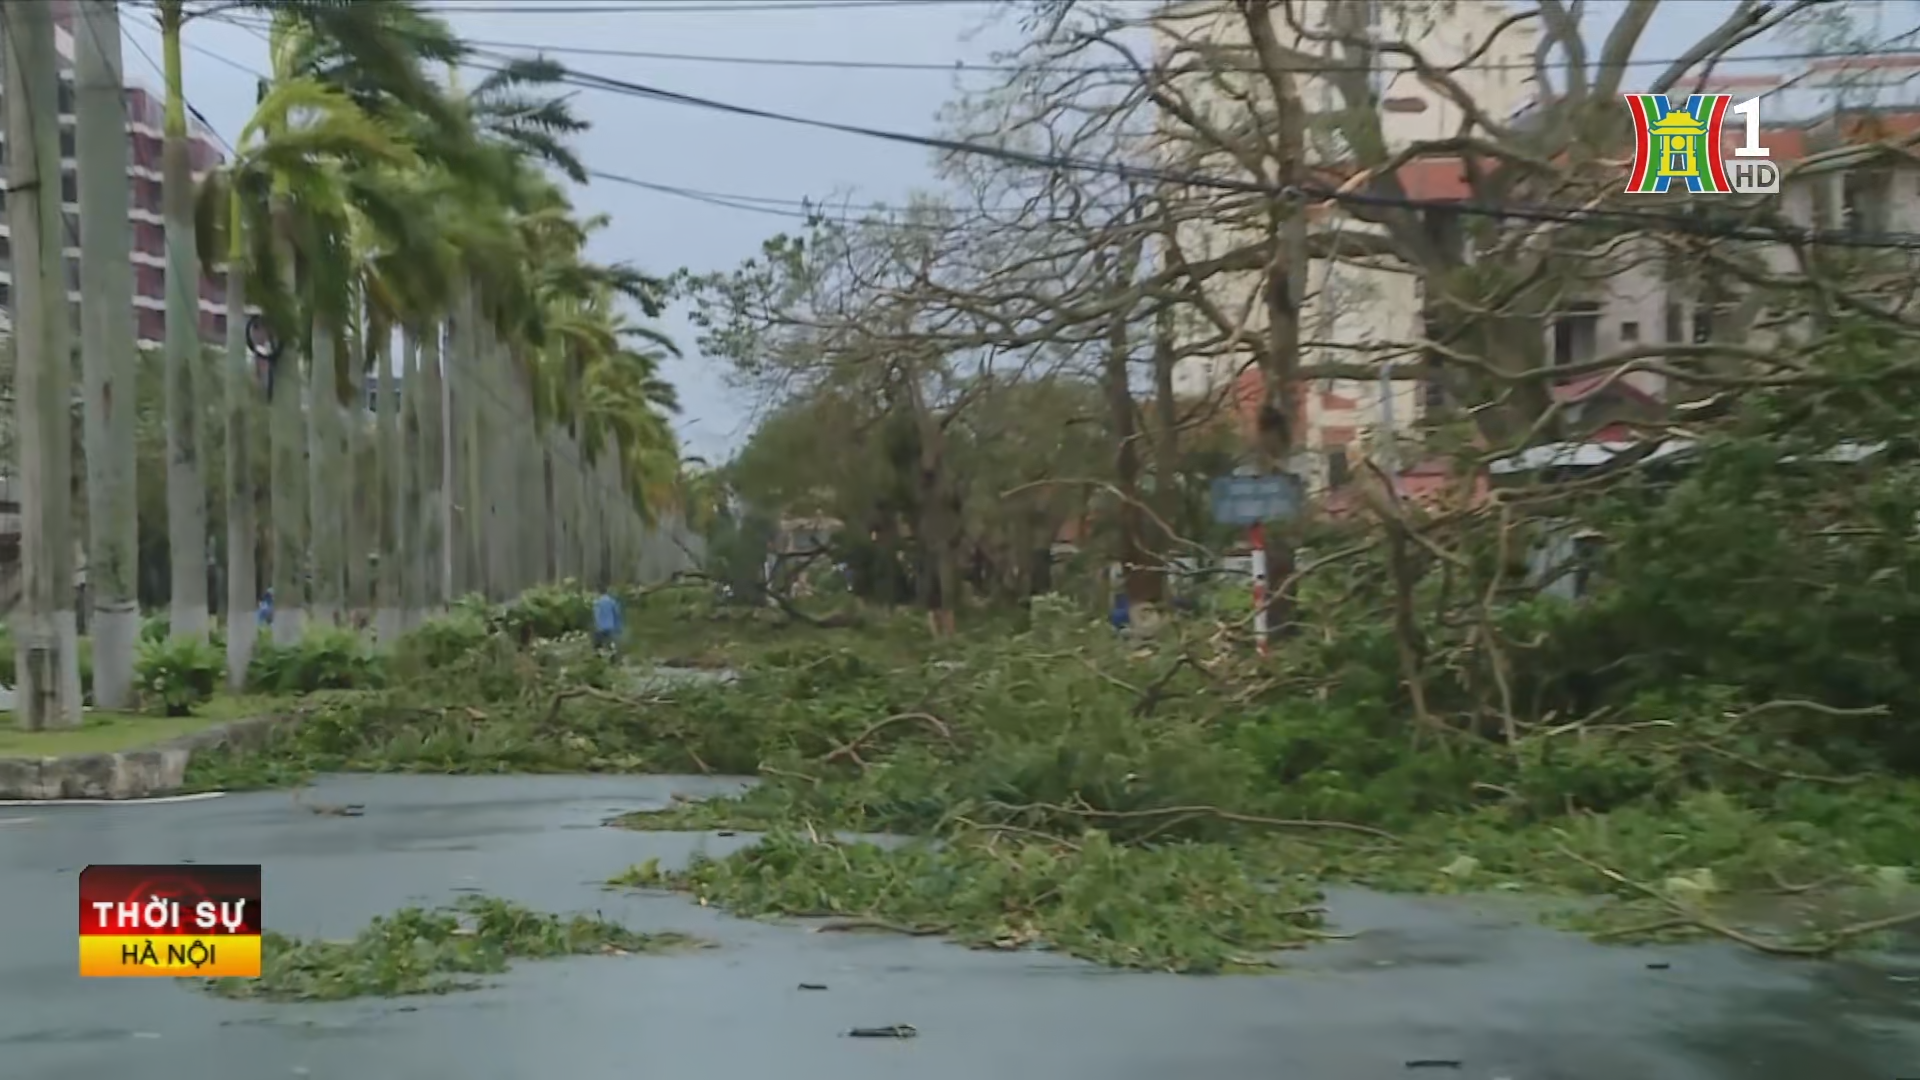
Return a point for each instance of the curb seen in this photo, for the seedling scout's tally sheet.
(125, 774)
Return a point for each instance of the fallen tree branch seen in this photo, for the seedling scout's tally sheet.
(1826, 945)
(850, 750)
(1206, 811)
(1779, 774)
(845, 925)
(1156, 691)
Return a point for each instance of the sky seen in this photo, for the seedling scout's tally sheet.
(697, 149)
(679, 146)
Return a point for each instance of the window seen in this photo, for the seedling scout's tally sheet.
(72, 222)
(1702, 324)
(1339, 469)
(1576, 334)
(6, 293)
(73, 275)
(66, 96)
(69, 187)
(66, 142)
(1864, 198)
(1630, 333)
(1676, 324)
(1433, 389)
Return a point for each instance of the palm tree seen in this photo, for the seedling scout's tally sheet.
(339, 72)
(259, 213)
(47, 664)
(107, 350)
(186, 493)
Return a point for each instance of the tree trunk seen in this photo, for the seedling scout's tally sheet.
(1140, 580)
(1280, 357)
(387, 602)
(359, 520)
(436, 473)
(325, 474)
(243, 627)
(502, 489)
(186, 483)
(107, 351)
(530, 511)
(1166, 424)
(410, 507)
(468, 363)
(288, 469)
(47, 646)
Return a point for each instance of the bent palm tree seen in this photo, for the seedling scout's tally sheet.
(256, 216)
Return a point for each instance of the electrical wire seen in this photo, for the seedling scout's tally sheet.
(1390, 63)
(1680, 222)
(668, 7)
(161, 73)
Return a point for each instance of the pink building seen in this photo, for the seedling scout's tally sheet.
(144, 118)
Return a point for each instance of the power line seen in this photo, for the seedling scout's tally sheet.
(1680, 222)
(195, 113)
(1177, 178)
(665, 7)
(963, 66)
(960, 66)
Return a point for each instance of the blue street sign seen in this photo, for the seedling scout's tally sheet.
(1250, 500)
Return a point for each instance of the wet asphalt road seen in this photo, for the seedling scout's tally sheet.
(1426, 980)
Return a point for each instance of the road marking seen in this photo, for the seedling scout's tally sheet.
(18, 821)
(195, 797)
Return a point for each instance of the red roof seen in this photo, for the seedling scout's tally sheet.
(1578, 390)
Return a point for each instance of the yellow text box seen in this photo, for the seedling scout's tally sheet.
(218, 956)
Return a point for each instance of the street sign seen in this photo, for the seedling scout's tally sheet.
(1250, 500)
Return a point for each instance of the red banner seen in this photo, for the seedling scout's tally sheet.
(170, 920)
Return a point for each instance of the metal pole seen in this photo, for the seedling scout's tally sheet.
(1257, 535)
(1388, 451)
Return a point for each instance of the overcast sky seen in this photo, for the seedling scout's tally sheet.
(678, 146)
(691, 148)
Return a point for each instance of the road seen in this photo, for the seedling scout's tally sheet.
(1427, 980)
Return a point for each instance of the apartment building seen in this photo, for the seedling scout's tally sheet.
(1362, 309)
(145, 111)
(1369, 309)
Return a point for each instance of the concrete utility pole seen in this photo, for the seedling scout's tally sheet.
(45, 635)
(106, 348)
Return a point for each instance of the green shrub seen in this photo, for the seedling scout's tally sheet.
(439, 642)
(158, 627)
(175, 674)
(326, 658)
(548, 611)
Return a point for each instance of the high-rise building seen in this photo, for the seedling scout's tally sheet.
(144, 119)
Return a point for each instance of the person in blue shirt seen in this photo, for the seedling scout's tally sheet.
(265, 614)
(608, 620)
